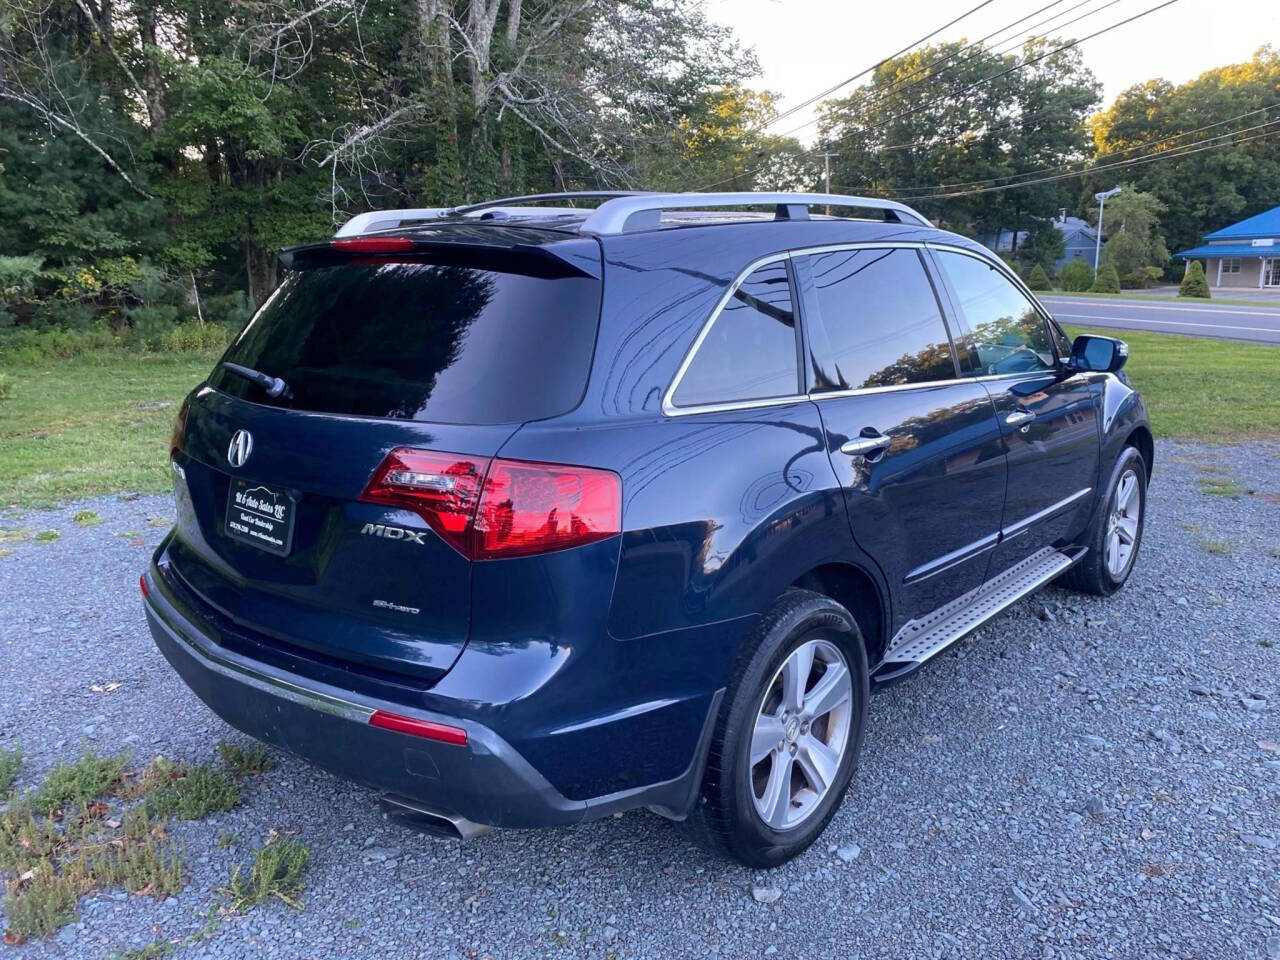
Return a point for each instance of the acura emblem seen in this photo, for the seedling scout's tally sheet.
(240, 447)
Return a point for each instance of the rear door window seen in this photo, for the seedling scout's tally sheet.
(1005, 330)
(750, 351)
(878, 323)
(416, 340)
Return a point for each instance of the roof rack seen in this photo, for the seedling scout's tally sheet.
(644, 212)
(630, 211)
(391, 219)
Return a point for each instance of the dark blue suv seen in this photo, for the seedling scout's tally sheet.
(524, 515)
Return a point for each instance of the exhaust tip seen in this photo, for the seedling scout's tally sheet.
(433, 822)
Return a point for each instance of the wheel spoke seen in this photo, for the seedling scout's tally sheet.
(768, 734)
(818, 763)
(831, 690)
(1113, 553)
(1127, 530)
(776, 801)
(795, 677)
(1128, 488)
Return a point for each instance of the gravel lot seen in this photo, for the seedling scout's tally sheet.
(1081, 778)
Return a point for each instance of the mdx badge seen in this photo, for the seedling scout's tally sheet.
(393, 533)
(240, 447)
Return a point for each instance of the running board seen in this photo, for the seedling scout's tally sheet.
(928, 636)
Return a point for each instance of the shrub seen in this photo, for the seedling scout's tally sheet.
(1075, 276)
(231, 310)
(65, 315)
(1039, 280)
(1107, 280)
(1193, 283)
(31, 347)
(196, 337)
(151, 325)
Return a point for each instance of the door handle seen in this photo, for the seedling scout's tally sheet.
(866, 446)
(1019, 418)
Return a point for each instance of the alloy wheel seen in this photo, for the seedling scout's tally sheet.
(1122, 525)
(801, 734)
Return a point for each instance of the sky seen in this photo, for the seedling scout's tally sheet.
(805, 46)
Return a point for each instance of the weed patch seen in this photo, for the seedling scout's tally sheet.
(1213, 546)
(182, 791)
(87, 518)
(10, 764)
(75, 784)
(1219, 486)
(245, 761)
(46, 536)
(276, 873)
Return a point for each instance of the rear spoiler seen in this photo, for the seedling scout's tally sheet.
(572, 256)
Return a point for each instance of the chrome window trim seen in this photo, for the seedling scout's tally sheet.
(670, 409)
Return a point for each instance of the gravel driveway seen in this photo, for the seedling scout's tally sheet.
(1081, 778)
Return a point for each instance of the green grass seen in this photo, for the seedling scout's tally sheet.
(185, 792)
(1219, 486)
(1210, 390)
(1157, 298)
(74, 428)
(87, 518)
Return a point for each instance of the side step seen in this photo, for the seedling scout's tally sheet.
(928, 636)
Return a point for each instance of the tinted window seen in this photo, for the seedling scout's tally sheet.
(880, 322)
(422, 341)
(750, 351)
(1006, 332)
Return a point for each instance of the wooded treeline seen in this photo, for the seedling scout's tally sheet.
(151, 150)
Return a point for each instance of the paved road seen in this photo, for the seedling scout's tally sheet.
(1256, 324)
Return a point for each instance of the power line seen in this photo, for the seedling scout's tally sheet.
(1017, 66)
(875, 66)
(1175, 153)
(925, 76)
(901, 191)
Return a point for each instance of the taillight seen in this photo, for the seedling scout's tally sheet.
(179, 427)
(489, 509)
(442, 488)
(142, 585)
(373, 244)
(528, 508)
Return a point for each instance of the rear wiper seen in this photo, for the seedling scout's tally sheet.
(274, 386)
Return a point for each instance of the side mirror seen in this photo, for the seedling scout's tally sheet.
(1098, 354)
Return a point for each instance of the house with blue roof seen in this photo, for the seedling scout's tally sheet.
(1078, 239)
(1245, 254)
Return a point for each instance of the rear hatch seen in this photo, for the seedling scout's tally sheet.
(378, 367)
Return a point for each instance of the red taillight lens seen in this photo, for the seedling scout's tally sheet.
(179, 428)
(142, 585)
(442, 488)
(528, 508)
(373, 244)
(487, 510)
(418, 728)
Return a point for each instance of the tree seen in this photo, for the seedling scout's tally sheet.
(955, 117)
(1230, 176)
(1135, 246)
(1193, 282)
(1044, 244)
(1075, 276)
(1039, 280)
(1107, 280)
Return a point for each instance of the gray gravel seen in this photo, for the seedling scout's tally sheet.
(1081, 778)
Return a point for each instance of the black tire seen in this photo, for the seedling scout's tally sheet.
(1091, 574)
(725, 819)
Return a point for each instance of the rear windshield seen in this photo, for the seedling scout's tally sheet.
(416, 340)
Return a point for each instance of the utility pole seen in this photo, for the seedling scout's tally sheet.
(826, 167)
(1102, 199)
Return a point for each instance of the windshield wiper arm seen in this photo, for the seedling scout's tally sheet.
(274, 386)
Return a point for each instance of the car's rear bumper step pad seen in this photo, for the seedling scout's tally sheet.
(924, 638)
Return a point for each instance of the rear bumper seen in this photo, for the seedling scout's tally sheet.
(487, 781)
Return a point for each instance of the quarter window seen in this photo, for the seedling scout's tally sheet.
(1231, 265)
(750, 351)
(1006, 332)
(879, 322)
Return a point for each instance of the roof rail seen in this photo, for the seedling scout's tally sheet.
(390, 219)
(644, 212)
